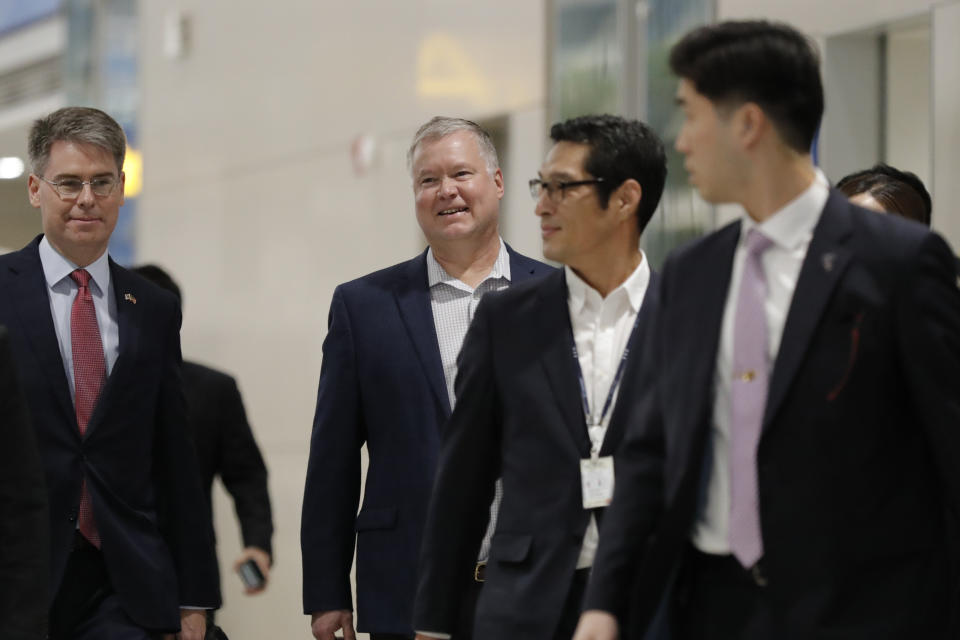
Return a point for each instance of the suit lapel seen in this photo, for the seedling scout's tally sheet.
(557, 359)
(32, 303)
(521, 268)
(703, 306)
(616, 425)
(413, 300)
(827, 258)
(129, 318)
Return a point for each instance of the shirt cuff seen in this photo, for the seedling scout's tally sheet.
(435, 634)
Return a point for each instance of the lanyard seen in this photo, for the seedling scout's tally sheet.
(613, 385)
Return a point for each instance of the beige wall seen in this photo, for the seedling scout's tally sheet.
(251, 199)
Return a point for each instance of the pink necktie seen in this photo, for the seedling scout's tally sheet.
(748, 399)
(89, 374)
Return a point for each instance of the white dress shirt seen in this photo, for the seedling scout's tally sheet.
(61, 290)
(601, 329)
(453, 303)
(790, 229)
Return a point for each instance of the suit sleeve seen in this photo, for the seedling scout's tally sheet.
(185, 521)
(464, 486)
(24, 542)
(243, 472)
(332, 492)
(637, 503)
(928, 320)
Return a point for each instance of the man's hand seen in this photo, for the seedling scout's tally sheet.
(193, 624)
(262, 558)
(325, 623)
(597, 625)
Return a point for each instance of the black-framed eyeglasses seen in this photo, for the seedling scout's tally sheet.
(70, 188)
(555, 188)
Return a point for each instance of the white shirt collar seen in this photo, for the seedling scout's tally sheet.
(792, 225)
(56, 267)
(634, 287)
(436, 274)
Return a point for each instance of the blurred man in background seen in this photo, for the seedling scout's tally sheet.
(226, 447)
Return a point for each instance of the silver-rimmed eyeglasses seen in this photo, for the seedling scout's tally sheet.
(70, 188)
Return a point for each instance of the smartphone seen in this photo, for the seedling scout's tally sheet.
(251, 575)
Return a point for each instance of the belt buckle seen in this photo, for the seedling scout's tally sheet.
(479, 572)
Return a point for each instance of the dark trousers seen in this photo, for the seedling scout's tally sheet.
(573, 607)
(464, 630)
(717, 599)
(85, 607)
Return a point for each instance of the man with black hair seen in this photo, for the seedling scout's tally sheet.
(793, 445)
(537, 394)
(217, 423)
(889, 190)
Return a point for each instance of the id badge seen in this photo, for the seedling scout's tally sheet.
(596, 477)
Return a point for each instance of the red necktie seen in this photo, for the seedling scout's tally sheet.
(89, 374)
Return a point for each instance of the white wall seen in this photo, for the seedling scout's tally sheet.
(909, 123)
(251, 199)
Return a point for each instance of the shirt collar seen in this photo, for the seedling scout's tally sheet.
(634, 287)
(436, 274)
(56, 267)
(793, 224)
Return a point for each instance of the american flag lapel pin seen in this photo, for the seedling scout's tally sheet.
(129, 298)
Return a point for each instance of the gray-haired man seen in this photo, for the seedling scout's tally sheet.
(389, 362)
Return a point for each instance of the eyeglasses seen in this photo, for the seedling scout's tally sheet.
(555, 187)
(70, 188)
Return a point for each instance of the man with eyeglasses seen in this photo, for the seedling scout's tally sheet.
(537, 394)
(389, 362)
(98, 355)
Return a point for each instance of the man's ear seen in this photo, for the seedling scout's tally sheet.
(627, 197)
(33, 190)
(750, 124)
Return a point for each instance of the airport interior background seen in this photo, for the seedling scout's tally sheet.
(268, 140)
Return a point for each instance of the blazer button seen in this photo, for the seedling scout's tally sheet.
(72, 517)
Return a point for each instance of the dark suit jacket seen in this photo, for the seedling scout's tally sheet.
(24, 540)
(382, 384)
(518, 416)
(226, 447)
(861, 434)
(136, 457)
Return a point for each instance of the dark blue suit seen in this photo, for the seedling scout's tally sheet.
(857, 461)
(136, 457)
(381, 383)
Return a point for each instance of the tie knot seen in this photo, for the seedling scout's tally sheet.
(81, 277)
(757, 243)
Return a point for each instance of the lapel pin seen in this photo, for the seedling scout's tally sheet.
(828, 259)
(129, 298)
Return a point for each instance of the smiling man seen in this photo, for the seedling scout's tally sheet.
(389, 362)
(537, 394)
(98, 355)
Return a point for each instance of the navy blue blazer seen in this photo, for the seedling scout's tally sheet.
(857, 461)
(381, 383)
(518, 417)
(136, 456)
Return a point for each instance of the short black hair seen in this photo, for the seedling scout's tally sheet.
(159, 277)
(770, 64)
(620, 149)
(899, 192)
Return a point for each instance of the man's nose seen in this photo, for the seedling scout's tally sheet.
(86, 197)
(448, 187)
